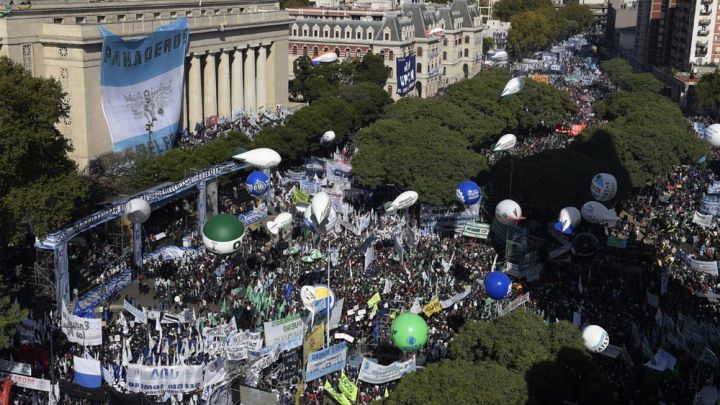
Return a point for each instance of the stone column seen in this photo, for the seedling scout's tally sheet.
(210, 86)
(224, 86)
(237, 80)
(261, 75)
(195, 111)
(249, 76)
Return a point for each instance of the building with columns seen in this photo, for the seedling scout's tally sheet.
(236, 56)
(441, 59)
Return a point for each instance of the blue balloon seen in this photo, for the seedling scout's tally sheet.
(257, 183)
(559, 226)
(497, 285)
(468, 192)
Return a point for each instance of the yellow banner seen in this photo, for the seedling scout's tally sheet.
(336, 396)
(301, 391)
(301, 198)
(433, 307)
(314, 341)
(374, 300)
(347, 387)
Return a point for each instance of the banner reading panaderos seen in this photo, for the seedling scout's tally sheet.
(326, 361)
(286, 332)
(374, 373)
(164, 379)
(84, 331)
(141, 87)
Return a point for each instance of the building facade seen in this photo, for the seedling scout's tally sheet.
(653, 32)
(235, 61)
(441, 58)
(696, 34)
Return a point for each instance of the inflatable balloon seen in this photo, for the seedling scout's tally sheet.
(596, 338)
(603, 187)
(712, 135)
(137, 210)
(325, 57)
(320, 206)
(568, 219)
(513, 85)
(409, 332)
(596, 213)
(468, 192)
(328, 136)
(584, 245)
(257, 183)
(499, 55)
(508, 212)
(281, 221)
(223, 234)
(497, 285)
(506, 142)
(261, 158)
(308, 220)
(404, 200)
(317, 298)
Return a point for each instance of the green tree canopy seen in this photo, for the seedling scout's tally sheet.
(417, 155)
(622, 75)
(33, 157)
(533, 31)
(707, 95)
(574, 18)
(10, 317)
(505, 9)
(371, 69)
(367, 99)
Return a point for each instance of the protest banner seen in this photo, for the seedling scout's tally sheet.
(347, 387)
(708, 267)
(336, 395)
(15, 368)
(286, 332)
(702, 219)
(37, 384)
(84, 331)
(164, 379)
(432, 307)
(515, 303)
(374, 373)
(326, 361)
(314, 341)
(139, 315)
(238, 344)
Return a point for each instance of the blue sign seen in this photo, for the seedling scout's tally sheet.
(468, 192)
(710, 204)
(141, 87)
(314, 166)
(405, 68)
(326, 361)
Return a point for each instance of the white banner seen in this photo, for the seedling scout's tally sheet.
(455, 298)
(160, 380)
(286, 332)
(31, 383)
(515, 303)
(16, 368)
(220, 332)
(702, 219)
(140, 316)
(374, 373)
(336, 314)
(702, 266)
(239, 343)
(84, 331)
(326, 361)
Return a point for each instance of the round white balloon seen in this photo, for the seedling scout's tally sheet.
(137, 210)
(712, 135)
(320, 206)
(508, 212)
(328, 136)
(603, 187)
(569, 217)
(596, 338)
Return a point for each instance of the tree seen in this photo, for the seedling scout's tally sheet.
(575, 18)
(417, 155)
(707, 94)
(10, 317)
(34, 157)
(533, 31)
(505, 9)
(367, 99)
(621, 74)
(460, 382)
(314, 82)
(371, 69)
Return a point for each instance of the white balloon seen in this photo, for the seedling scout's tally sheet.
(508, 212)
(137, 210)
(506, 142)
(325, 57)
(499, 55)
(712, 135)
(603, 187)
(404, 200)
(281, 221)
(596, 213)
(513, 85)
(569, 218)
(320, 206)
(328, 136)
(596, 338)
(262, 158)
(307, 296)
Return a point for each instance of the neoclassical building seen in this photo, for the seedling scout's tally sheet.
(236, 56)
(441, 59)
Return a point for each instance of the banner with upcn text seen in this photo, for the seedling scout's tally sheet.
(153, 380)
(141, 87)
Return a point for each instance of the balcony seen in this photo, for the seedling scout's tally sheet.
(700, 52)
(706, 2)
(702, 42)
(704, 22)
(703, 33)
(705, 11)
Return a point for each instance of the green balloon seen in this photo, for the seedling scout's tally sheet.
(409, 332)
(223, 234)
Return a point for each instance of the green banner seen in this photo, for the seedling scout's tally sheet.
(476, 230)
(617, 242)
(301, 198)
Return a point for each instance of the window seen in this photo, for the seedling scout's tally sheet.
(386, 36)
(444, 41)
(57, 20)
(347, 53)
(444, 55)
(121, 17)
(294, 50)
(467, 39)
(443, 70)
(173, 14)
(140, 17)
(315, 51)
(419, 51)
(358, 53)
(305, 33)
(390, 90)
(305, 50)
(79, 20)
(203, 12)
(294, 32)
(157, 15)
(391, 56)
(325, 49)
(315, 33)
(419, 67)
(337, 52)
(188, 13)
(217, 11)
(101, 18)
(390, 71)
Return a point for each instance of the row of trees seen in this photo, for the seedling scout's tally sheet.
(516, 359)
(707, 95)
(536, 25)
(621, 74)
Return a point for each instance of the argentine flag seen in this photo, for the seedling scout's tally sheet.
(141, 87)
(87, 372)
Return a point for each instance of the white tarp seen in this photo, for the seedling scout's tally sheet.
(164, 379)
(374, 373)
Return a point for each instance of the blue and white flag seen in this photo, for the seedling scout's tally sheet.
(141, 87)
(87, 372)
